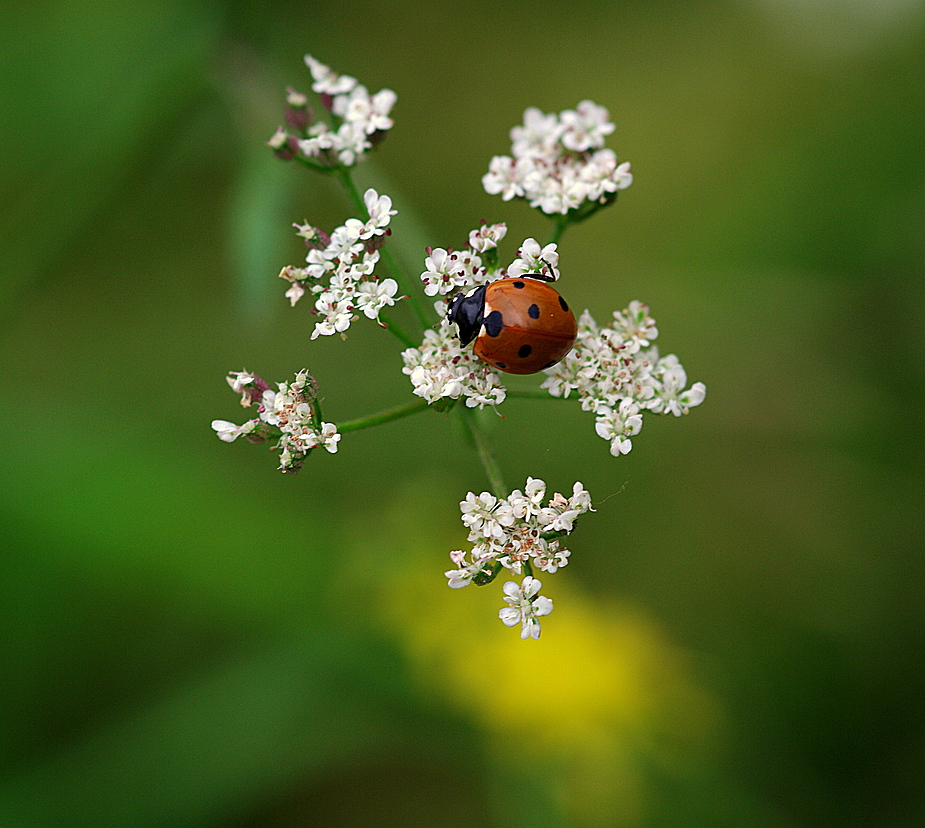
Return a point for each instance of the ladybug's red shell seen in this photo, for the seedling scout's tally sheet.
(526, 326)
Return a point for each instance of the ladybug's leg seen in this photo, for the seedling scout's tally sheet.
(545, 275)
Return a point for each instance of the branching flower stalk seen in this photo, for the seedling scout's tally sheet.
(559, 165)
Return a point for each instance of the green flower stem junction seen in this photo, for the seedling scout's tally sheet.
(469, 416)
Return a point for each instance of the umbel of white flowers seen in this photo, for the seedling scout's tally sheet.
(517, 533)
(558, 164)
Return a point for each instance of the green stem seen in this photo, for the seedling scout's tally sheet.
(343, 173)
(486, 455)
(561, 222)
(382, 417)
(420, 311)
(314, 166)
(393, 328)
(316, 414)
(346, 179)
(577, 215)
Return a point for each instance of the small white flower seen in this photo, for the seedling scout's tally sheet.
(380, 105)
(535, 259)
(320, 265)
(295, 292)
(477, 511)
(553, 560)
(534, 491)
(580, 499)
(337, 313)
(250, 387)
(364, 112)
(503, 178)
(537, 136)
(240, 381)
(563, 522)
(487, 236)
(372, 297)
(345, 241)
(636, 326)
(481, 561)
(329, 437)
(526, 607)
(670, 394)
(448, 271)
(585, 127)
(229, 432)
(328, 81)
(380, 212)
(316, 145)
(354, 105)
(618, 426)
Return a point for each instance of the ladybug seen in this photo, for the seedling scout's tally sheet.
(520, 325)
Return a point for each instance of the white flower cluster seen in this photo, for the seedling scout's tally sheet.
(441, 368)
(559, 161)
(340, 268)
(517, 533)
(290, 409)
(448, 271)
(360, 118)
(618, 374)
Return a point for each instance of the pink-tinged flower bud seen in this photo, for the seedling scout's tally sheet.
(284, 145)
(279, 140)
(249, 386)
(298, 119)
(376, 242)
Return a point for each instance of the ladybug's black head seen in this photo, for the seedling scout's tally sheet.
(466, 314)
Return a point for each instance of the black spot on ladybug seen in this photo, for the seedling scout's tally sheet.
(524, 351)
(519, 285)
(501, 365)
(563, 304)
(549, 365)
(533, 311)
(494, 322)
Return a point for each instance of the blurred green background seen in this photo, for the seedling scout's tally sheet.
(190, 638)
